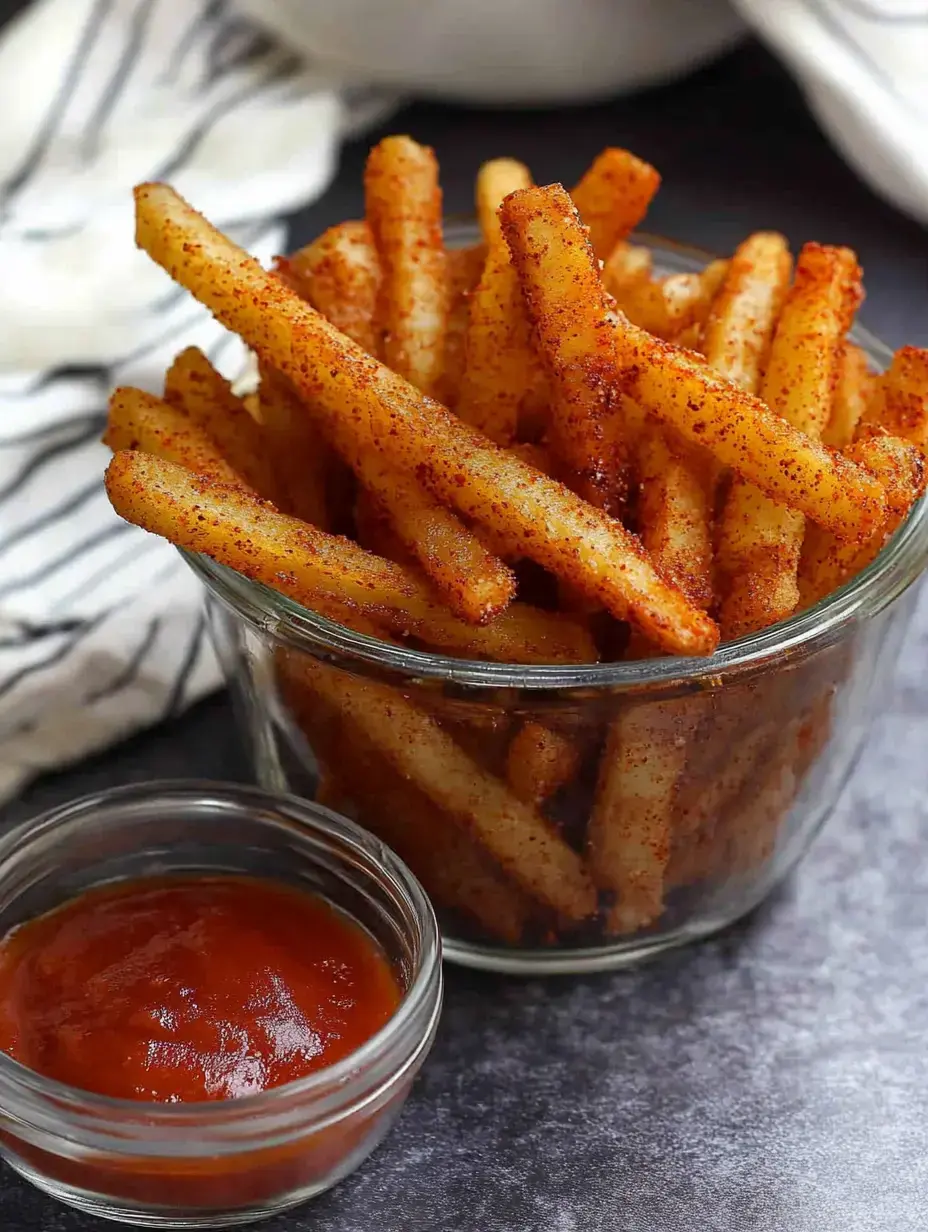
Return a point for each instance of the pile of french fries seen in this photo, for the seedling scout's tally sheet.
(534, 450)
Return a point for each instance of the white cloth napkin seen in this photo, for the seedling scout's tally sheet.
(101, 626)
(101, 630)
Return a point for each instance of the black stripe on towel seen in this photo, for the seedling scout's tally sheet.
(87, 430)
(57, 655)
(131, 669)
(64, 510)
(122, 71)
(72, 77)
(176, 695)
(67, 557)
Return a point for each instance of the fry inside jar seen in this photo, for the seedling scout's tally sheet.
(546, 450)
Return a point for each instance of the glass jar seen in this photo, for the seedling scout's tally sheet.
(215, 1164)
(694, 785)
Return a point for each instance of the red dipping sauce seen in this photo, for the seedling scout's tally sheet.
(184, 989)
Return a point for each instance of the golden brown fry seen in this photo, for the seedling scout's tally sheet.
(526, 846)
(627, 268)
(739, 328)
(670, 307)
(854, 389)
(500, 363)
(138, 420)
(567, 307)
(300, 459)
(403, 203)
(309, 566)
(339, 274)
(455, 871)
(826, 562)
(760, 540)
(628, 842)
(900, 405)
(675, 512)
(539, 762)
(741, 432)
(613, 197)
(465, 265)
(546, 522)
(496, 179)
(194, 384)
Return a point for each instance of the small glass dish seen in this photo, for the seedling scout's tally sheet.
(215, 1164)
(772, 725)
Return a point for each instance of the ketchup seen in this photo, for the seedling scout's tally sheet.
(190, 988)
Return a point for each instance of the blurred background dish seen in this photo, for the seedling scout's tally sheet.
(522, 52)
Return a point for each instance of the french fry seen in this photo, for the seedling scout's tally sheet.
(496, 179)
(629, 837)
(548, 523)
(627, 268)
(194, 384)
(500, 364)
(613, 197)
(760, 540)
(853, 391)
(139, 420)
(900, 403)
(300, 459)
(826, 562)
(339, 274)
(539, 762)
(525, 845)
(474, 583)
(465, 265)
(403, 204)
(567, 307)
(675, 512)
(742, 433)
(742, 317)
(455, 871)
(310, 566)
(670, 307)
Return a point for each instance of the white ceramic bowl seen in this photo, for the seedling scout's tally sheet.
(503, 51)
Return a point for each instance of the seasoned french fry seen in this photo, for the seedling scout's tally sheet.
(403, 203)
(900, 404)
(669, 307)
(760, 540)
(474, 583)
(309, 565)
(300, 459)
(539, 762)
(548, 523)
(496, 179)
(826, 562)
(455, 871)
(500, 364)
(675, 512)
(739, 328)
(627, 268)
(194, 384)
(613, 197)
(741, 432)
(340, 275)
(465, 265)
(628, 842)
(567, 307)
(854, 389)
(526, 846)
(138, 420)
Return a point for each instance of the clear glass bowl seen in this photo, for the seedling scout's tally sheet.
(750, 747)
(228, 1162)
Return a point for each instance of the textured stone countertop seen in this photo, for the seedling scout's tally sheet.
(774, 1079)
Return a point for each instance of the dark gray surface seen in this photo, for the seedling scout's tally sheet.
(774, 1079)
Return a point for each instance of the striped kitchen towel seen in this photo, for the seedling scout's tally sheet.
(101, 626)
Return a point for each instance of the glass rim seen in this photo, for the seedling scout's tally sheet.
(137, 1126)
(894, 568)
